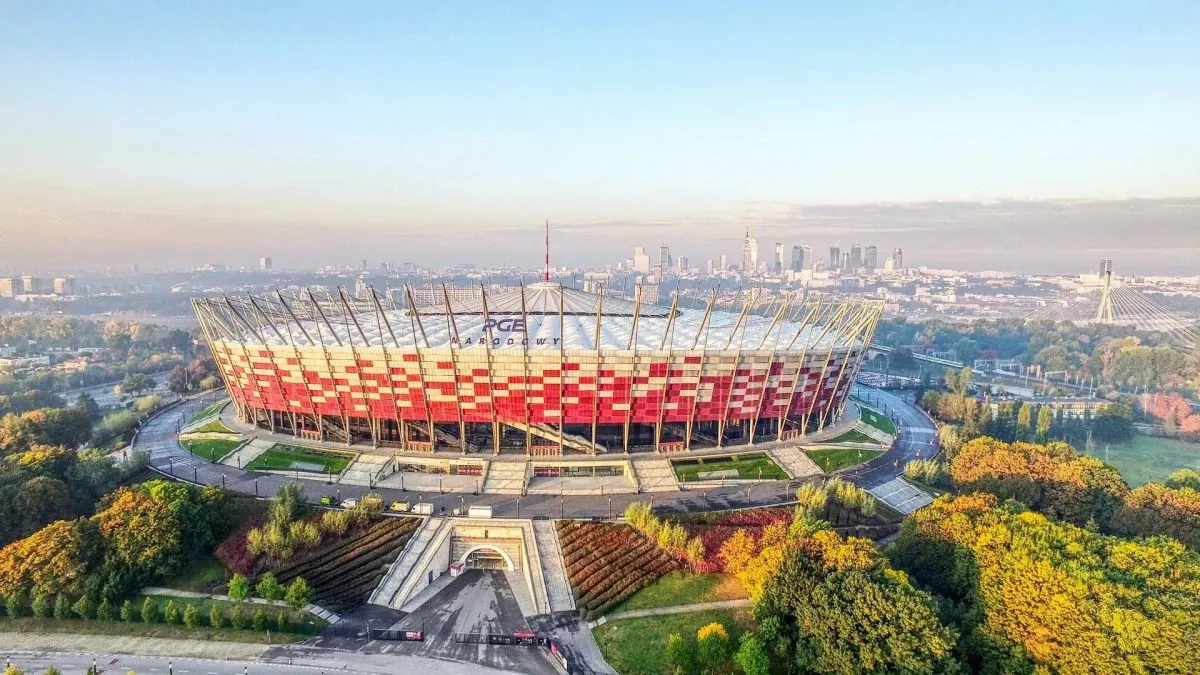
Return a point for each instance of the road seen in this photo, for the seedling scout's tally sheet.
(103, 393)
(159, 438)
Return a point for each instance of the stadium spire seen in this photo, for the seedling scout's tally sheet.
(547, 250)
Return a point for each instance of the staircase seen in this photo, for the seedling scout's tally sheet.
(549, 433)
(443, 437)
(655, 475)
(388, 592)
(794, 461)
(558, 587)
(505, 478)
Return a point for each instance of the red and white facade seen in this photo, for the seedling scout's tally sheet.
(543, 370)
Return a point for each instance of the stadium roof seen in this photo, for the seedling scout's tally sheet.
(335, 321)
(545, 298)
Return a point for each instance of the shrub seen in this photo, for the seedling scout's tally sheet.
(171, 613)
(62, 607)
(41, 605)
(269, 588)
(237, 618)
(149, 611)
(216, 616)
(191, 616)
(127, 611)
(104, 611)
(259, 620)
(239, 588)
(812, 498)
(298, 593)
(336, 523)
(281, 622)
(84, 608)
(752, 656)
(712, 646)
(679, 653)
(303, 534)
(13, 604)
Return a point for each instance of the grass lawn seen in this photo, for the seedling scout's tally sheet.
(211, 449)
(853, 436)
(684, 588)
(833, 459)
(294, 458)
(205, 575)
(878, 420)
(1148, 459)
(157, 630)
(210, 410)
(749, 466)
(638, 645)
(213, 427)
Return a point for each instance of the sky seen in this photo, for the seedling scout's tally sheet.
(1028, 136)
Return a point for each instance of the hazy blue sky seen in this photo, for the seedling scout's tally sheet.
(175, 133)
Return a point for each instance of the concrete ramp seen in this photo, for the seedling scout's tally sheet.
(388, 593)
(505, 478)
(794, 461)
(554, 570)
(655, 475)
(901, 495)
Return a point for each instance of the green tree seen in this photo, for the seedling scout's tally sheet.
(712, 647)
(40, 605)
(14, 604)
(127, 611)
(62, 607)
(281, 622)
(239, 588)
(269, 588)
(171, 613)
(216, 616)
(258, 621)
(680, 653)
(136, 383)
(752, 656)
(1188, 478)
(191, 616)
(104, 611)
(88, 405)
(149, 611)
(299, 594)
(237, 618)
(1025, 421)
(1045, 421)
(84, 608)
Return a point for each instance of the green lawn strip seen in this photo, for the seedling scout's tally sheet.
(208, 411)
(284, 457)
(878, 420)
(684, 588)
(747, 466)
(833, 459)
(213, 427)
(157, 630)
(853, 436)
(205, 575)
(639, 645)
(302, 622)
(212, 449)
(1146, 459)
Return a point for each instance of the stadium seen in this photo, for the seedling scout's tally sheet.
(540, 369)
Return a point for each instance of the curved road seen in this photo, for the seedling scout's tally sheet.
(917, 439)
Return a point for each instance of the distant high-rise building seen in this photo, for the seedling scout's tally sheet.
(846, 266)
(664, 258)
(31, 285)
(683, 264)
(856, 259)
(777, 265)
(889, 264)
(362, 290)
(870, 258)
(724, 262)
(1105, 268)
(802, 258)
(641, 260)
(898, 259)
(748, 258)
(64, 285)
(835, 257)
(753, 254)
(364, 264)
(10, 287)
(264, 264)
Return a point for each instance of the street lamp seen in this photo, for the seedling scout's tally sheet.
(610, 508)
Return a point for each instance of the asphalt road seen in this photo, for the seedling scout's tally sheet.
(159, 438)
(103, 393)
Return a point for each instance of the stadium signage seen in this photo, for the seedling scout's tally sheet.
(497, 342)
(505, 325)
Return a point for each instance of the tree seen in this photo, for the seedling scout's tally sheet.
(752, 656)
(41, 605)
(127, 611)
(104, 611)
(712, 647)
(88, 405)
(171, 613)
(216, 616)
(149, 611)
(269, 588)
(299, 594)
(1184, 478)
(239, 588)
(1045, 421)
(62, 607)
(191, 616)
(1113, 424)
(237, 618)
(84, 608)
(1025, 420)
(42, 500)
(135, 383)
(14, 603)
(258, 621)
(281, 622)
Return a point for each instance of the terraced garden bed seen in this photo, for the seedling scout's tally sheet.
(835, 459)
(209, 410)
(211, 449)
(344, 574)
(878, 420)
(608, 562)
(281, 457)
(742, 466)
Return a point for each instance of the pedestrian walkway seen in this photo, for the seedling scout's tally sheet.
(794, 461)
(901, 495)
(389, 587)
(505, 478)
(554, 570)
(655, 474)
(242, 457)
(365, 470)
(677, 609)
(317, 611)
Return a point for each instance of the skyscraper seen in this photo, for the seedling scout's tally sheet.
(264, 264)
(682, 264)
(856, 259)
(746, 252)
(664, 258)
(870, 258)
(898, 259)
(777, 264)
(724, 262)
(64, 285)
(802, 258)
(753, 254)
(641, 261)
(9, 287)
(835, 257)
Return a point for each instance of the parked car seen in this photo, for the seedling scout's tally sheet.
(399, 507)
(349, 503)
